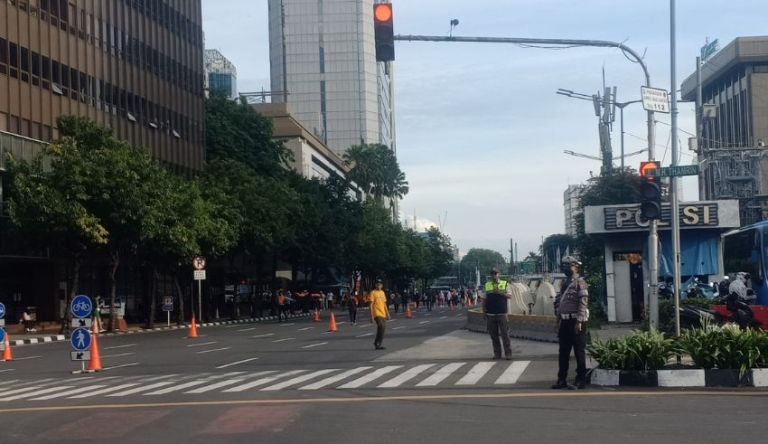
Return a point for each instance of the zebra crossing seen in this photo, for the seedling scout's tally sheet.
(452, 374)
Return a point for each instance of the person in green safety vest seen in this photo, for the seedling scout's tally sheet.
(497, 293)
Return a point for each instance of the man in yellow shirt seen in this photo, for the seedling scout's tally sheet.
(379, 313)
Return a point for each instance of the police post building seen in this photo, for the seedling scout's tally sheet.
(625, 234)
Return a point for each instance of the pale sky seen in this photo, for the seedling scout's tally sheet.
(480, 130)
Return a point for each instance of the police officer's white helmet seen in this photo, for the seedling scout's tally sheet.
(567, 261)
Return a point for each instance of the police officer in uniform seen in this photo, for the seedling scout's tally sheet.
(497, 293)
(571, 305)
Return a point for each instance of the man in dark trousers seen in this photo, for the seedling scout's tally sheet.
(571, 310)
(495, 310)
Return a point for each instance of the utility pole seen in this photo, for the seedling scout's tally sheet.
(699, 127)
(674, 179)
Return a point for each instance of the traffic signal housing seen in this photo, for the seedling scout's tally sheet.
(650, 190)
(384, 32)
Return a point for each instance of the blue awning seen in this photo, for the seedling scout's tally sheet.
(698, 252)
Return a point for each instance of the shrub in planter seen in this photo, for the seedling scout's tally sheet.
(725, 347)
(642, 352)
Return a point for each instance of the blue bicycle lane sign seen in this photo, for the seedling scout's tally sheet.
(81, 306)
(80, 339)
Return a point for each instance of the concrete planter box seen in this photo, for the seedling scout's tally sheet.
(758, 377)
(726, 378)
(681, 378)
(603, 377)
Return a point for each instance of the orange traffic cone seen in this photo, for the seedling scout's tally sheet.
(408, 314)
(7, 350)
(94, 365)
(193, 328)
(316, 318)
(333, 323)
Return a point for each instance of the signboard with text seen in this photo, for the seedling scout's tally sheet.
(655, 99)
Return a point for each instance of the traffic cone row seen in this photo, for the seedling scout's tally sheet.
(6, 350)
(94, 364)
(193, 328)
(408, 314)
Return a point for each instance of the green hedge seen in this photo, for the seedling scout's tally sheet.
(722, 347)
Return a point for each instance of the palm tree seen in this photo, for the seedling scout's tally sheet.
(375, 170)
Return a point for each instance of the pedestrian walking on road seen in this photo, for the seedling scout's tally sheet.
(352, 306)
(571, 305)
(283, 305)
(495, 312)
(396, 301)
(379, 313)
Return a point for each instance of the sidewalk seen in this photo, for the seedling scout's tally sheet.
(48, 331)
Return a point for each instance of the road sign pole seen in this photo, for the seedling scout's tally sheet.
(200, 299)
(673, 180)
(169, 318)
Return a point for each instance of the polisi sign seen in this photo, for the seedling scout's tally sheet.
(631, 218)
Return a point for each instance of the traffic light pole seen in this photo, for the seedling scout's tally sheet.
(653, 236)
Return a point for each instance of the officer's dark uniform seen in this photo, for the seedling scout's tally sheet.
(571, 305)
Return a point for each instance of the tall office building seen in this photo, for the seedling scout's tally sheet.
(323, 63)
(135, 65)
(220, 73)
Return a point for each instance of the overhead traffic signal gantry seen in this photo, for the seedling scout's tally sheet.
(384, 32)
(650, 190)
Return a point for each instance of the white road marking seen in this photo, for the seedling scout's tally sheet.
(328, 381)
(38, 392)
(175, 388)
(405, 376)
(440, 375)
(226, 383)
(283, 340)
(459, 314)
(7, 370)
(287, 325)
(247, 329)
(262, 381)
(477, 372)
(13, 392)
(213, 350)
(142, 389)
(370, 377)
(27, 357)
(340, 323)
(314, 345)
(201, 344)
(4, 383)
(513, 372)
(118, 355)
(365, 325)
(397, 328)
(443, 317)
(423, 322)
(263, 336)
(299, 380)
(236, 363)
(103, 391)
(121, 365)
(306, 328)
(362, 336)
(68, 392)
(120, 346)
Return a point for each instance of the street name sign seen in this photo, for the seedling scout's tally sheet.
(655, 99)
(675, 171)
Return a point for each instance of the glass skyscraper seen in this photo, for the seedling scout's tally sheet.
(323, 63)
(220, 73)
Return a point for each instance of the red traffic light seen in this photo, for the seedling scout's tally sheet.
(382, 12)
(647, 169)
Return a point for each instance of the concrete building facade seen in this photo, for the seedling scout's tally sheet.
(572, 208)
(135, 65)
(734, 125)
(323, 63)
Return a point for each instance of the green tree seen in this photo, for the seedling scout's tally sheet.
(51, 205)
(235, 131)
(557, 243)
(483, 260)
(374, 168)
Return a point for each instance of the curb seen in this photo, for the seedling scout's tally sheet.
(55, 338)
(756, 377)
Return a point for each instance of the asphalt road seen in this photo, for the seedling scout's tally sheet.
(297, 382)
